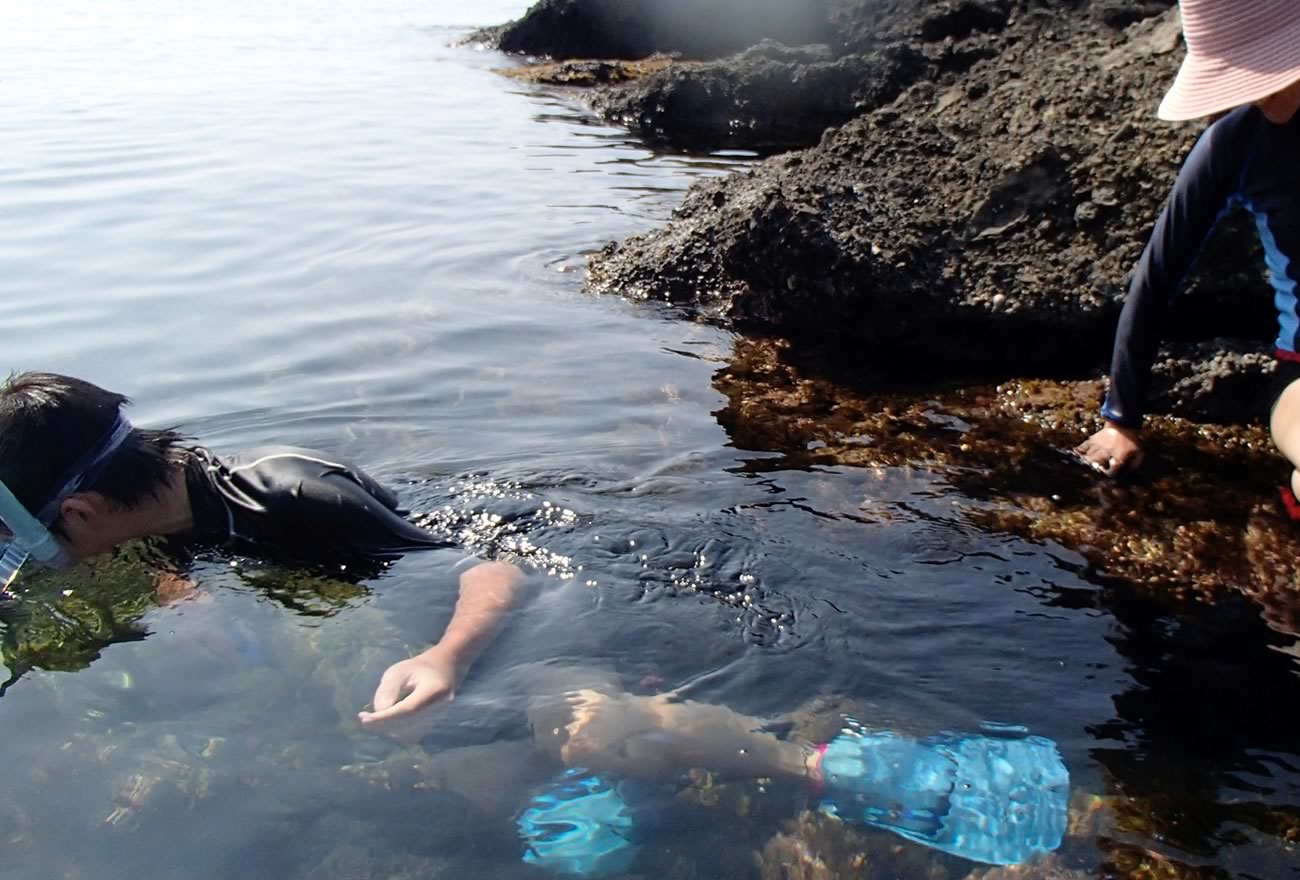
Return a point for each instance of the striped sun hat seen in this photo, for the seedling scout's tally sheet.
(1238, 51)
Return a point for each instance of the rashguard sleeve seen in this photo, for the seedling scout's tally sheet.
(365, 515)
(1205, 189)
(325, 510)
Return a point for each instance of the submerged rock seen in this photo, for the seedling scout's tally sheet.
(346, 847)
(62, 620)
(818, 847)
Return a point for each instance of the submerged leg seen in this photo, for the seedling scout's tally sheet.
(657, 737)
(579, 824)
(998, 800)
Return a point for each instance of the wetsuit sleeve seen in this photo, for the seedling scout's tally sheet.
(1205, 189)
(359, 514)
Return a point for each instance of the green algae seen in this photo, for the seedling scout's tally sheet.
(62, 620)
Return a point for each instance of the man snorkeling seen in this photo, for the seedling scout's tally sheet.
(77, 479)
(1243, 56)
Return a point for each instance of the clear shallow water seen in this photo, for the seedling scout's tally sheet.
(295, 223)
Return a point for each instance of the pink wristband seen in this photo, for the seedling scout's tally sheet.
(815, 772)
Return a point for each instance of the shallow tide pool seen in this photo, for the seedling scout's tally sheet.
(326, 225)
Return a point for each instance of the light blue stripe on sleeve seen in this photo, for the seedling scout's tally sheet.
(1284, 286)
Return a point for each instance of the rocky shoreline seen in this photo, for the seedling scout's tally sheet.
(978, 179)
(955, 194)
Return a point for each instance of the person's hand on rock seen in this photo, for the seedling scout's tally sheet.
(1112, 450)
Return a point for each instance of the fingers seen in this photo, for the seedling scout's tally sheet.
(1106, 464)
(371, 718)
(421, 695)
(1108, 458)
(1116, 462)
(389, 690)
(1096, 457)
(1113, 466)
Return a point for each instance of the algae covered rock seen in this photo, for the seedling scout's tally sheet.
(344, 847)
(587, 73)
(1219, 380)
(1198, 521)
(815, 846)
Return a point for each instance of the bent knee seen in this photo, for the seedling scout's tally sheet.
(1284, 422)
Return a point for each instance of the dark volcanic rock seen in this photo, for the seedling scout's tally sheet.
(987, 222)
(1122, 13)
(1220, 380)
(767, 99)
(959, 20)
(862, 25)
(565, 29)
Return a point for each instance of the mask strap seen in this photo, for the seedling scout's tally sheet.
(88, 468)
(31, 534)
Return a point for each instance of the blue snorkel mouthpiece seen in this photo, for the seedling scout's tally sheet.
(29, 536)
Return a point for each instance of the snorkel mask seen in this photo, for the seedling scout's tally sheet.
(24, 536)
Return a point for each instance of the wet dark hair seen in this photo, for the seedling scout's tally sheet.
(48, 422)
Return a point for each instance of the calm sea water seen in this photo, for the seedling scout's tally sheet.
(321, 224)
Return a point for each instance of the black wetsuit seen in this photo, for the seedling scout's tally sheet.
(1243, 159)
(296, 504)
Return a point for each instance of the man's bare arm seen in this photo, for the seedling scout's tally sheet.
(488, 593)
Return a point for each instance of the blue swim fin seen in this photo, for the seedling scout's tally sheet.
(578, 826)
(987, 799)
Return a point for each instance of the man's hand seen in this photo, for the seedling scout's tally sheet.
(1112, 450)
(488, 592)
(409, 686)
